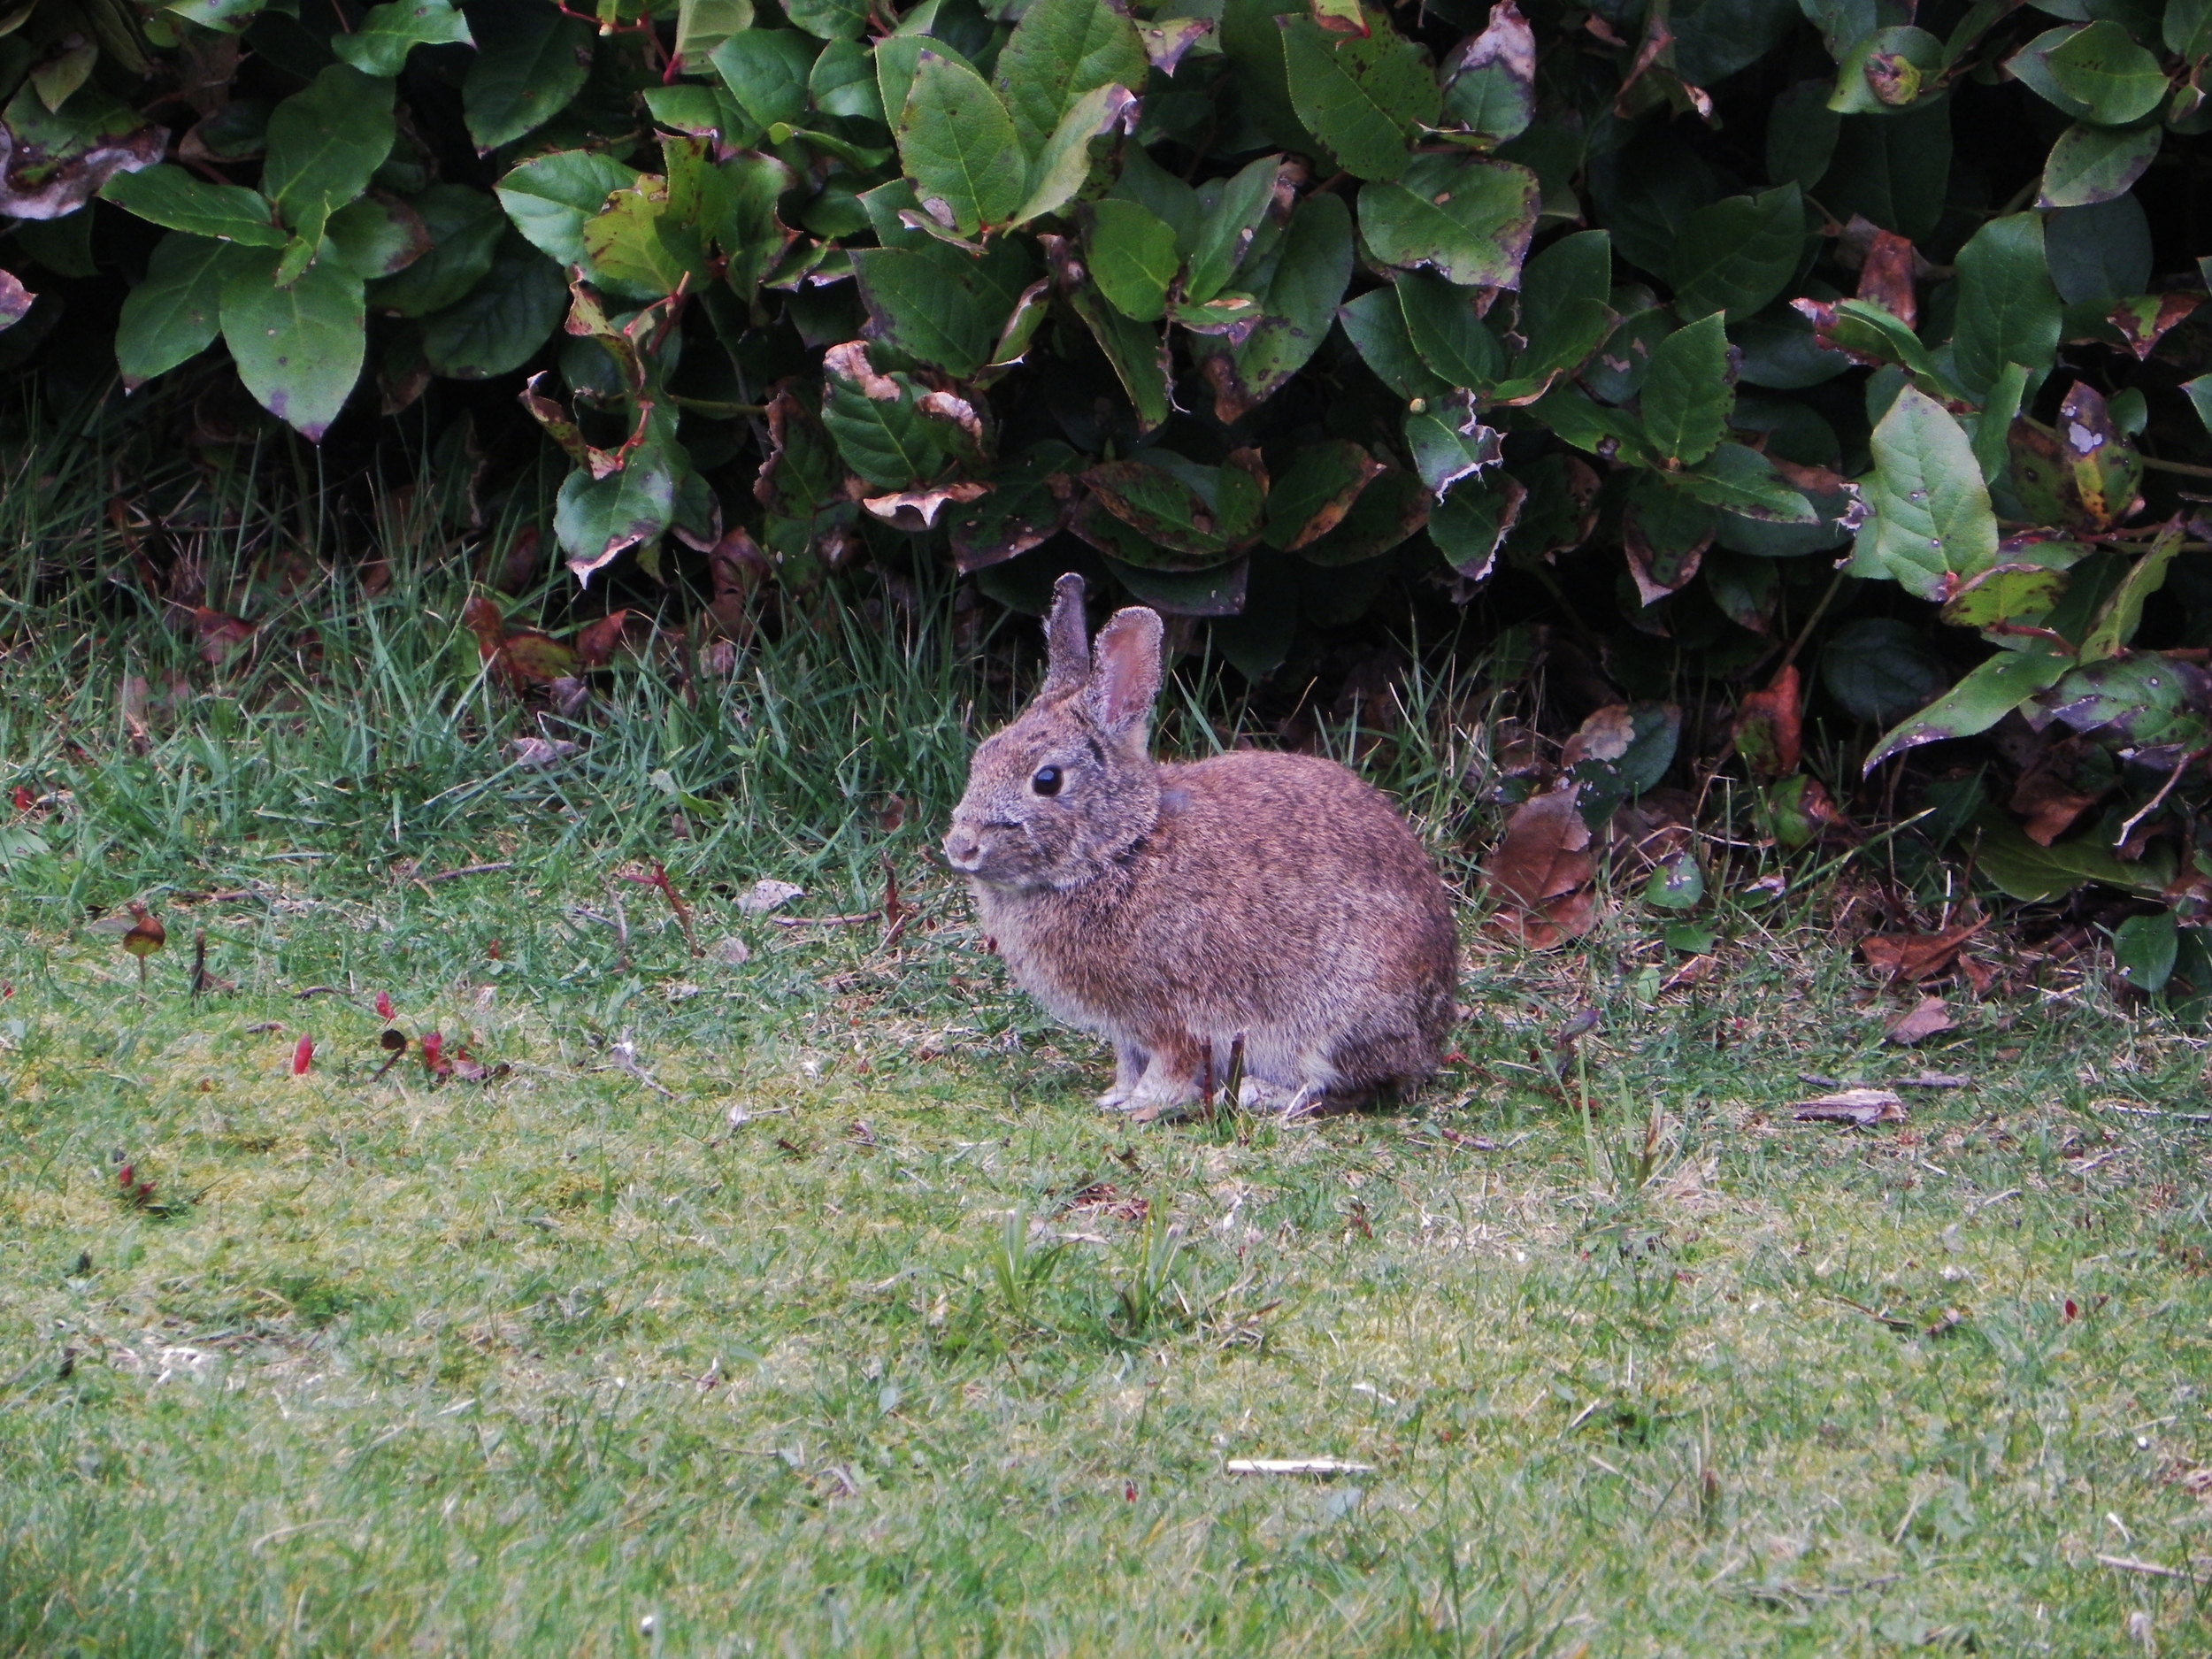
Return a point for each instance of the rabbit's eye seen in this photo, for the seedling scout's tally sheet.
(1047, 781)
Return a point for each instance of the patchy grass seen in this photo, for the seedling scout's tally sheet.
(804, 1303)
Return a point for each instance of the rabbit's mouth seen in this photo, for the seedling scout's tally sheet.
(998, 861)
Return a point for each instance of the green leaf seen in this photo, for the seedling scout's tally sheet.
(1063, 165)
(1363, 96)
(1471, 523)
(326, 141)
(1161, 506)
(550, 199)
(1447, 450)
(1390, 509)
(2005, 596)
(377, 236)
(1467, 219)
(1893, 168)
(1801, 132)
(1743, 481)
(1136, 350)
(299, 349)
(2143, 950)
(1298, 286)
(2100, 254)
(2105, 73)
(1687, 394)
(1376, 326)
(1739, 253)
(703, 24)
(1994, 424)
(1881, 668)
(1450, 335)
(638, 248)
(767, 72)
(175, 313)
(1133, 257)
(2094, 164)
(597, 519)
(2186, 29)
(500, 326)
(829, 20)
(880, 431)
(2123, 613)
(1255, 46)
(958, 145)
(169, 196)
(1987, 693)
(1676, 885)
(2008, 311)
(387, 33)
(2031, 873)
(2200, 395)
(225, 17)
(939, 305)
(1227, 224)
(464, 226)
(1490, 80)
(531, 60)
(1929, 516)
(2031, 66)
(1059, 52)
(2144, 699)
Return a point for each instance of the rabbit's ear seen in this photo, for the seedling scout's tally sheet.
(1067, 649)
(1126, 675)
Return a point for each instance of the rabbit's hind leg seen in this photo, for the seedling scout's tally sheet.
(1170, 1076)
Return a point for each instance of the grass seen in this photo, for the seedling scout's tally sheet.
(804, 1303)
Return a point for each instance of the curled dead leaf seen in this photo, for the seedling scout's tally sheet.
(1923, 1020)
(1540, 871)
(917, 510)
(1909, 958)
(1858, 1107)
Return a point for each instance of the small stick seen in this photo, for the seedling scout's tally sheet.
(471, 870)
(894, 914)
(2154, 1111)
(2152, 1569)
(199, 961)
(846, 920)
(2158, 800)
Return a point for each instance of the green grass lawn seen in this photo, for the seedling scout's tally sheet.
(804, 1303)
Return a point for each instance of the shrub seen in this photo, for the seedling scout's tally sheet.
(1697, 317)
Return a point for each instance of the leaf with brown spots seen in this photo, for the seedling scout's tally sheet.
(1886, 279)
(1769, 734)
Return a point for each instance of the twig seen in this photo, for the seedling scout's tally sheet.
(2158, 800)
(469, 870)
(199, 962)
(2152, 1111)
(846, 920)
(894, 914)
(2150, 1569)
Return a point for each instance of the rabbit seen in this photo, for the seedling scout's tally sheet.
(1173, 909)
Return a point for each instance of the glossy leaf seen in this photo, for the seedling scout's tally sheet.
(1736, 255)
(530, 61)
(1060, 51)
(1929, 516)
(387, 33)
(1985, 697)
(175, 199)
(550, 198)
(2095, 163)
(1297, 286)
(1133, 257)
(1361, 96)
(2008, 311)
(176, 312)
(1686, 396)
(1468, 219)
(959, 148)
(299, 349)
(325, 143)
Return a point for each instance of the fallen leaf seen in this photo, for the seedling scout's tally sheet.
(730, 952)
(916, 510)
(766, 895)
(1924, 1020)
(1855, 1106)
(1909, 958)
(542, 751)
(1542, 868)
(303, 1056)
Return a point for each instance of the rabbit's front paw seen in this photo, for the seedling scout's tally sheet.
(1116, 1099)
(1258, 1095)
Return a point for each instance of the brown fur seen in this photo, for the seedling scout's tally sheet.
(1173, 908)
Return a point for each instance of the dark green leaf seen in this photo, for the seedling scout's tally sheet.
(941, 306)
(1448, 449)
(550, 198)
(1470, 525)
(325, 142)
(377, 236)
(1361, 96)
(2109, 78)
(829, 20)
(1060, 51)
(1376, 326)
(464, 226)
(2144, 948)
(1989, 692)
(299, 349)
(176, 311)
(2094, 164)
(170, 197)
(1891, 69)
(875, 422)
(1881, 668)
(530, 61)
(1686, 395)
(1297, 286)
(1395, 504)
(1224, 228)
(1467, 219)
(1448, 332)
(597, 519)
(387, 33)
(501, 324)
(703, 24)
(1893, 169)
(1315, 493)
(1801, 132)
(958, 145)
(1133, 257)
(1740, 481)
(767, 72)
(1737, 254)
(2008, 311)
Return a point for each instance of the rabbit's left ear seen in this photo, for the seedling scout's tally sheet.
(1067, 651)
(1126, 671)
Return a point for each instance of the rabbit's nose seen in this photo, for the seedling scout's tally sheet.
(963, 850)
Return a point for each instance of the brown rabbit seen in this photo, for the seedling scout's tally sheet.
(1173, 908)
